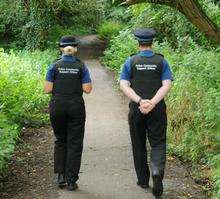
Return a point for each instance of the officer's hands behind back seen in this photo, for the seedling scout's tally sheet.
(146, 106)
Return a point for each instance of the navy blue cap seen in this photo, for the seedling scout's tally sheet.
(68, 41)
(144, 34)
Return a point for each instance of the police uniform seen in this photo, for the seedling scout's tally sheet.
(145, 71)
(67, 111)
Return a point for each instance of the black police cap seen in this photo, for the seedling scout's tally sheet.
(68, 41)
(145, 34)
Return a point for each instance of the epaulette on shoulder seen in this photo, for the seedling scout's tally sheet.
(159, 54)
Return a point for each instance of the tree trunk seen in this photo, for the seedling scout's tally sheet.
(193, 12)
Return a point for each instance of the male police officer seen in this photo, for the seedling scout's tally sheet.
(67, 79)
(146, 79)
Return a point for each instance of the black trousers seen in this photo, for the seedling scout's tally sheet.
(152, 126)
(68, 121)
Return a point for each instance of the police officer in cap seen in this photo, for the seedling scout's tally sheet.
(146, 79)
(67, 79)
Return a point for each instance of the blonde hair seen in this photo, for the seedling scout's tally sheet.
(69, 50)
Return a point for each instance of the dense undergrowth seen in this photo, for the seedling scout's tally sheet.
(22, 100)
(37, 24)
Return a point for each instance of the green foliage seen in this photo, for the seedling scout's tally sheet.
(121, 47)
(9, 133)
(116, 18)
(108, 29)
(196, 94)
(29, 23)
(162, 19)
(22, 75)
(193, 104)
(117, 13)
(212, 9)
(22, 100)
(215, 162)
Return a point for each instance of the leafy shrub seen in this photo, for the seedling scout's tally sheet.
(121, 46)
(9, 133)
(215, 162)
(193, 104)
(21, 94)
(118, 13)
(108, 29)
(212, 9)
(28, 23)
(22, 100)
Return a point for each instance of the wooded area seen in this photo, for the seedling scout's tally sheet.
(188, 35)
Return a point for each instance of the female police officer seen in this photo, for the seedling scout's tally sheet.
(146, 80)
(67, 79)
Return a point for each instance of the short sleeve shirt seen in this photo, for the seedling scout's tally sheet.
(126, 70)
(85, 73)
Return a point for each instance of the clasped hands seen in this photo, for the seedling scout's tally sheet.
(146, 106)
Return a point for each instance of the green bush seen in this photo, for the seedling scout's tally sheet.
(29, 23)
(121, 47)
(22, 100)
(193, 104)
(9, 133)
(21, 94)
(108, 29)
(194, 132)
(118, 13)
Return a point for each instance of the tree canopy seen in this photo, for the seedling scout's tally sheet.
(193, 12)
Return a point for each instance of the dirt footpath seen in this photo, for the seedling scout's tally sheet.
(107, 170)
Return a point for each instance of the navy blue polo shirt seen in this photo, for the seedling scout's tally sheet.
(126, 70)
(67, 58)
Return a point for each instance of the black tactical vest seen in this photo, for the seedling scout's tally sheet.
(146, 75)
(68, 79)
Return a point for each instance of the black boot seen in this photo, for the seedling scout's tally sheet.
(61, 180)
(144, 182)
(143, 186)
(157, 183)
(72, 186)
